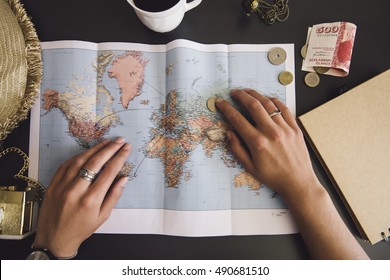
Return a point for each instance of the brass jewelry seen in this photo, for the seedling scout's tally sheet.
(20, 175)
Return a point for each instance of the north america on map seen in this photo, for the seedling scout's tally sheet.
(177, 131)
(156, 97)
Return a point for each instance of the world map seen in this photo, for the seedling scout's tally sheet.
(176, 131)
(157, 101)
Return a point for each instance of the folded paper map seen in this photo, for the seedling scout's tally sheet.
(183, 178)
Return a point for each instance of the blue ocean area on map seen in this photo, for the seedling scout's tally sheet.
(157, 101)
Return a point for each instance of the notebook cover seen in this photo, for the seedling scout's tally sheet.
(351, 136)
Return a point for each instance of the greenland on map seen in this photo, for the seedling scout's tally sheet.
(183, 180)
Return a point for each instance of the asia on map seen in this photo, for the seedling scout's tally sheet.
(183, 178)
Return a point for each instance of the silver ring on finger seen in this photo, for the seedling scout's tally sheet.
(275, 113)
(87, 175)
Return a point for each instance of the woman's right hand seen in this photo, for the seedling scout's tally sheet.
(73, 207)
(273, 149)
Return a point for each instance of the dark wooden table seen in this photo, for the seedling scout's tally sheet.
(214, 21)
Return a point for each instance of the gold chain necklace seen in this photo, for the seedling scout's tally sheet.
(20, 175)
(268, 12)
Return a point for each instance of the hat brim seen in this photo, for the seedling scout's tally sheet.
(21, 71)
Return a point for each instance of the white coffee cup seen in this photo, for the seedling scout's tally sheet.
(167, 20)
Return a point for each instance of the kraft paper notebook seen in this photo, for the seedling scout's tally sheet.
(351, 136)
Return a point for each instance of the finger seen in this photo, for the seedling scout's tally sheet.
(287, 116)
(112, 197)
(74, 164)
(54, 185)
(268, 105)
(252, 104)
(240, 152)
(102, 184)
(97, 161)
(88, 153)
(65, 172)
(238, 121)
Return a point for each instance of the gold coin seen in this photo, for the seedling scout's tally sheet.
(211, 104)
(285, 77)
(277, 56)
(312, 79)
(321, 69)
(304, 51)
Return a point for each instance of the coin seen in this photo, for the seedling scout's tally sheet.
(285, 77)
(321, 69)
(304, 51)
(211, 104)
(312, 79)
(277, 56)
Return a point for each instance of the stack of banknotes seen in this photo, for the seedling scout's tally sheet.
(328, 50)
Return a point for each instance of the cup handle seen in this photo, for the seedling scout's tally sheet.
(192, 4)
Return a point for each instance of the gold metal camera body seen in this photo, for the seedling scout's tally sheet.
(18, 211)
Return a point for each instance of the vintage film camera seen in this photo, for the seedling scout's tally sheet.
(19, 205)
(18, 211)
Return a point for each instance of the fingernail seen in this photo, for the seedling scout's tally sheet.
(120, 140)
(125, 180)
(219, 100)
(233, 94)
(127, 147)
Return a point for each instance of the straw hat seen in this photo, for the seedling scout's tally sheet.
(20, 65)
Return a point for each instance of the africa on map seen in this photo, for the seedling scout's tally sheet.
(155, 97)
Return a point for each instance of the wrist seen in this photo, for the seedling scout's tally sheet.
(299, 195)
(38, 253)
(57, 252)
